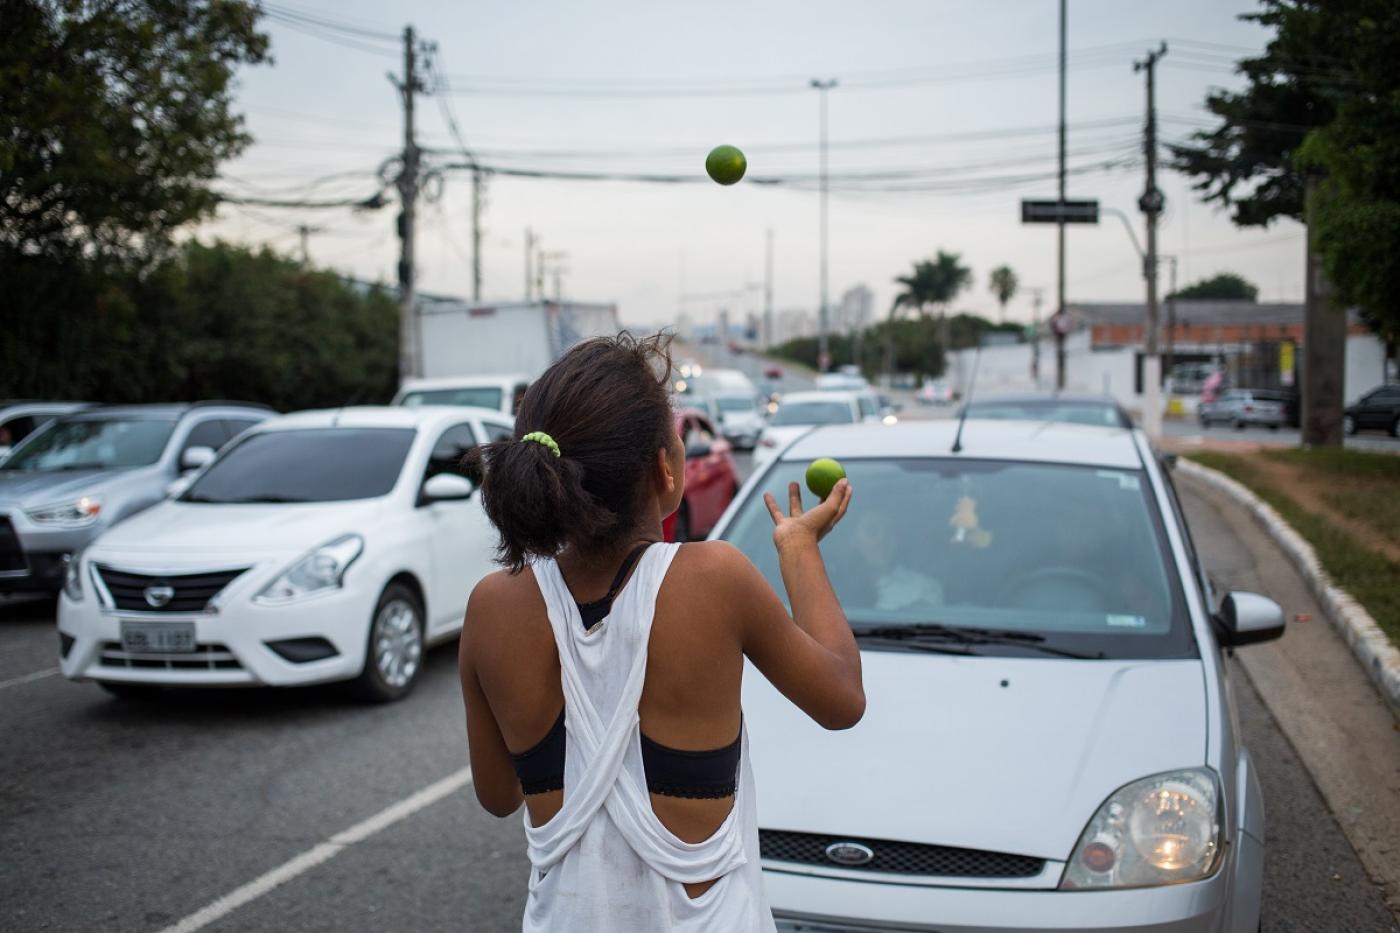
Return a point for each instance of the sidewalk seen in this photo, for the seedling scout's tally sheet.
(1342, 729)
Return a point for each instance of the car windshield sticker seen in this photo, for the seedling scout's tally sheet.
(1126, 621)
(1125, 480)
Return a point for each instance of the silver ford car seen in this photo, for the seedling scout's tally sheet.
(85, 472)
(1049, 741)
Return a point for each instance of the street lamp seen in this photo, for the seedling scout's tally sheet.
(823, 348)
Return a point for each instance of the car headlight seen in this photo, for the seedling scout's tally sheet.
(322, 569)
(1164, 829)
(73, 576)
(73, 514)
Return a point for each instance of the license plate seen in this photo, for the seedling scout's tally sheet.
(157, 637)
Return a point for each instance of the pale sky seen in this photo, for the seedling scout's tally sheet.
(962, 92)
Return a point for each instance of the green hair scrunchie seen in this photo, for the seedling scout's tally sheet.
(539, 437)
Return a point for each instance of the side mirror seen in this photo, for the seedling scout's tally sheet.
(176, 488)
(195, 457)
(1248, 618)
(446, 487)
(1168, 460)
(698, 449)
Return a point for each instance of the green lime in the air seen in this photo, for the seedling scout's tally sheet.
(822, 476)
(726, 164)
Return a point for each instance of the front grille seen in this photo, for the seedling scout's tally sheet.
(192, 591)
(211, 657)
(898, 858)
(11, 554)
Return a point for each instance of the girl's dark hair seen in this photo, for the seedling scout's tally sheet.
(606, 404)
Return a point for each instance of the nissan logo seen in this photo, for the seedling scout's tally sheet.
(850, 853)
(158, 596)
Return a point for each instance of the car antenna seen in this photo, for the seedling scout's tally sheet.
(967, 403)
(354, 397)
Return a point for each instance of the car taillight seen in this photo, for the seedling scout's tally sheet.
(1249, 408)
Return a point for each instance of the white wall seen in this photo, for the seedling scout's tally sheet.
(1365, 366)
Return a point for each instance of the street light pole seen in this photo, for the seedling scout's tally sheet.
(1059, 327)
(1151, 205)
(823, 345)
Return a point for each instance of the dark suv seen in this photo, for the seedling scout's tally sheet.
(1377, 410)
(84, 472)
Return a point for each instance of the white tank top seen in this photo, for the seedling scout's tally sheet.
(605, 862)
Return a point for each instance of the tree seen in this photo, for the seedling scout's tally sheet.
(116, 117)
(933, 282)
(214, 321)
(1225, 285)
(1321, 111)
(1003, 283)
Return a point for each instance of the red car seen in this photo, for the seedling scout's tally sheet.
(711, 478)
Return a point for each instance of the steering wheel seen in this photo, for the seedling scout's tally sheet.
(1063, 585)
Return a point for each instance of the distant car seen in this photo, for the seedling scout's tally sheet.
(773, 372)
(1051, 740)
(320, 546)
(799, 412)
(1377, 410)
(739, 418)
(1244, 407)
(1062, 408)
(711, 478)
(935, 393)
(501, 392)
(20, 418)
(89, 470)
(840, 382)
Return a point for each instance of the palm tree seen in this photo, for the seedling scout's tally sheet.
(933, 282)
(1003, 283)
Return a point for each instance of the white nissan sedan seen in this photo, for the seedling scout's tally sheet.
(319, 546)
(1049, 740)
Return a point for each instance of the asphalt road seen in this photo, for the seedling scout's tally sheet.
(131, 816)
(1189, 431)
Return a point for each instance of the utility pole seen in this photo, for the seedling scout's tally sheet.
(1171, 318)
(556, 269)
(768, 292)
(478, 184)
(823, 346)
(1037, 299)
(529, 256)
(408, 197)
(1060, 312)
(1151, 205)
(304, 231)
(1324, 340)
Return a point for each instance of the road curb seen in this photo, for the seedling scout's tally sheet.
(1372, 648)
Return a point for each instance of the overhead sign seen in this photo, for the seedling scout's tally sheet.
(1053, 212)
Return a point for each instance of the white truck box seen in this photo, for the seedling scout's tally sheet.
(461, 339)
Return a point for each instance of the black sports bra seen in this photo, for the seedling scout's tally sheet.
(671, 772)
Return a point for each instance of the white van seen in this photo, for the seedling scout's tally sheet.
(501, 392)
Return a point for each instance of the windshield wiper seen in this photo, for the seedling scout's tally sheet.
(909, 643)
(937, 632)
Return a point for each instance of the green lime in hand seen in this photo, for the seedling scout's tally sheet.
(822, 476)
(726, 164)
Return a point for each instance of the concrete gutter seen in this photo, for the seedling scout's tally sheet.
(1372, 648)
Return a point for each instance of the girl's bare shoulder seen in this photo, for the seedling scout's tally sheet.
(500, 596)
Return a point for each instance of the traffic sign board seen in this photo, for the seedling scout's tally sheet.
(1050, 212)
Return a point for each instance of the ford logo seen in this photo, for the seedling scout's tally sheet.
(158, 596)
(850, 853)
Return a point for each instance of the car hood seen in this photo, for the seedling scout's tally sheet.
(174, 528)
(1001, 754)
(42, 487)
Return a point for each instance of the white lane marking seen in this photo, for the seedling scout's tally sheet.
(320, 853)
(28, 678)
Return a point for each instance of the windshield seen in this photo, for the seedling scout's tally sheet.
(1070, 558)
(93, 444)
(736, 403)
(1095, 413)
(480, 396)
(813, 413)
(312, 465)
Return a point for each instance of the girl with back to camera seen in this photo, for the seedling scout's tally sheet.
(601, 669)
